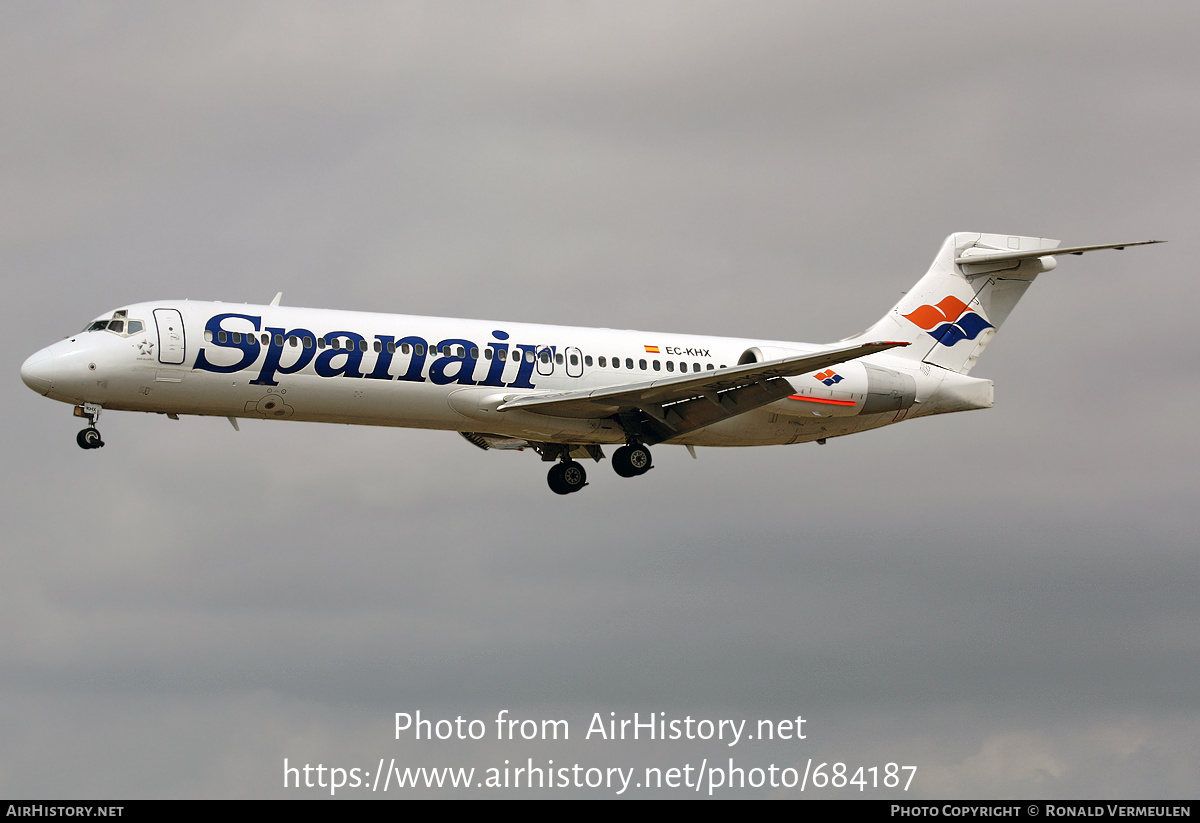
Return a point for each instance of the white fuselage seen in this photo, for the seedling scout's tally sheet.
(281, 362)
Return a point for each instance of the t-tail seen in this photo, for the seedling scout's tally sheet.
(955, 310)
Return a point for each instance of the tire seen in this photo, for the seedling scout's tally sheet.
(89, 438)
(630, 461)
(565, 478)
(574, 475)
(555, 479)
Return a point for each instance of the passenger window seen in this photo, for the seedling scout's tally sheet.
(391, 347)
(208, 335)
(293, 341)
(545, 358)
(475, 352)
(320, 342)
(670, 366)
(558, 358)
(222, 336)
(574, 360)
(308, 342)
(378, 346)
(404, 348)
(362, 345)
(642, 365)
(420, 350)
(587, 360)
(237, 337)
(602, 362)
(629, 363)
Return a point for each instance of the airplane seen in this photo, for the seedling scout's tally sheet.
(563, 392)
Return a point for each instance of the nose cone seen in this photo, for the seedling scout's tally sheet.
(38, 372)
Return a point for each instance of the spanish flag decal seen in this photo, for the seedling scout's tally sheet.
(651, 349)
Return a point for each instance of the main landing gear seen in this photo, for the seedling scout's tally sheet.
(569, 476)
(566, 477)
(631, 460)
(89, 438)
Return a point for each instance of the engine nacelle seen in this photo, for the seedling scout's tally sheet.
(849, 389)
(888, 390)
(760, 354)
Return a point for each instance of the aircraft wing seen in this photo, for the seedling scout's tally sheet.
(681, 404)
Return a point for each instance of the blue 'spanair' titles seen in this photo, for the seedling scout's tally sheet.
(342, 355)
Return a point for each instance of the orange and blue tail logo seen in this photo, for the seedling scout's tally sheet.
(829, 377)
(949, 321)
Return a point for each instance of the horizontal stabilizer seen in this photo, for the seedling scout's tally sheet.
(975, 255)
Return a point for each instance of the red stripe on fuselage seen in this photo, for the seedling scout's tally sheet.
(822, 400)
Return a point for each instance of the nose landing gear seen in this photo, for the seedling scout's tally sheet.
(89, 438)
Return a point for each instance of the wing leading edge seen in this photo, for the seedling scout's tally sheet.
(678, 405)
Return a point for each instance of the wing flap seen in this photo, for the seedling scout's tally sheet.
(698, 412)
(687, 402)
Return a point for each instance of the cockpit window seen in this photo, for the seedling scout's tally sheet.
(117, 325)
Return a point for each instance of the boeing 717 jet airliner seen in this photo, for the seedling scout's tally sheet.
(563, 392)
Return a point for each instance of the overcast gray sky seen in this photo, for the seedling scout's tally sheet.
(1005, 599)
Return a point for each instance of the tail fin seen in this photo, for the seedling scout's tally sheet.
(955, 310)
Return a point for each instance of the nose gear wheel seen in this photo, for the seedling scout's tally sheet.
(89, 438)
